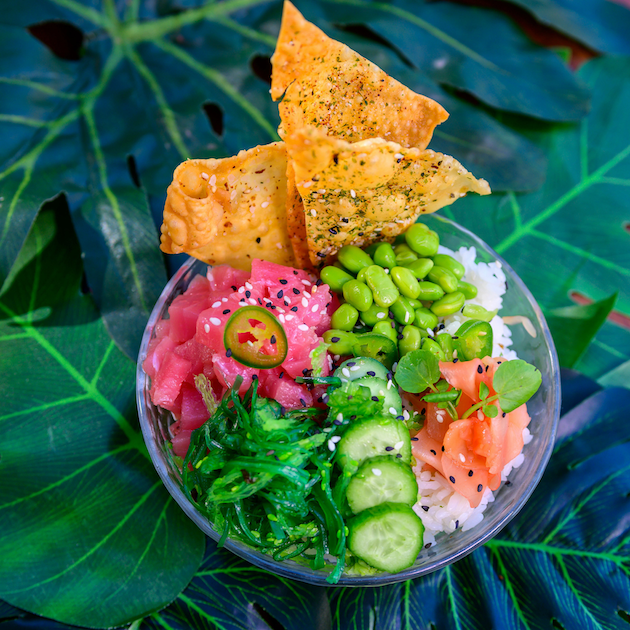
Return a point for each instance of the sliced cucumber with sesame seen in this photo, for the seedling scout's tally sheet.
(370, 437)
(358, 367)
(382, 479)
(387, 537)
(385, 391)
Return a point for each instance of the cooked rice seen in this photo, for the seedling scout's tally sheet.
(440, 507)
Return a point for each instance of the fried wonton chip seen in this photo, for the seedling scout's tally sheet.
(328, 85)
(356, 193)
(230, 210)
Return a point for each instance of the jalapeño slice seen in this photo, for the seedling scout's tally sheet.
(255, 338)
(376, 346)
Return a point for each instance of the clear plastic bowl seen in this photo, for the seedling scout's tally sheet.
(544, 409)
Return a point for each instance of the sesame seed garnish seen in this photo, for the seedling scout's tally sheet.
(331, 445)
(241, 289)
(248, 285)
(376, 471)
(479, 488)
(215, 321)
(294, 309)
(206, 327)
(228, 353)
(389, 448)
(289, 317)
(335, 438)
(248, 294)
(273, 339)
(399, 445)
(352, 193)
(283, 281)
(346, 372)
(480, 369)
(371, 373)
(425, 508)
(315, 308)
(205, 176)
(335, 339)
(392, 410)
(431, 449)
(296, 291)
(354, 368)
(281, 317)
(451, 479)
(304, 302)
(303, 327)
(216, 304)
(252, 301)
(375, 398)
(462, 458)
(470, 473)
(226, 311)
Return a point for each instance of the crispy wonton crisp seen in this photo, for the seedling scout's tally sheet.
(356, 193)
(230, 210)
(328, 85)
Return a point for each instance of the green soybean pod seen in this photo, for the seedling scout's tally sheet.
(384, 255)
(353, 258)
(358, 294)
(334, 277)
(414, 303)
(339, 341)
(411, 340)
(361, 275)
(383, 289)
(469, 290)
(474, 311)
(374, 314)
(420, 267)
(425, 318)
(385, 328)
(446, 343)
(430, 291)
(449, 304)
(444, 277)
(434, 347)
(448, 262)
(345, 317)
(404, 254)
(405, 281)
(423, 241)
(402, 311)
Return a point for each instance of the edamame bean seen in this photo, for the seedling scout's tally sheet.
(353, 258)
(334, 277)
(361, 274)
(469, 290)
(448, 262)
(384, 255)
(374, 314)
(425, 318)
(423, 241)
(402, 311)
(385, 328)
(384, 290)
(420, 267)
(474, 311)
(358, 294)
(434, 347)
(340, 341)
(404, 254)
(411, 340)
(444, 277)
(405, 281)
(345, 317)
(430, 291)
(446, 343)
(370, 249)
(449, 304)
(414, 303)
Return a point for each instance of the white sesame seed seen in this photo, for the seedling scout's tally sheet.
(389, 383)
(399, 156)
(306, 294)
(281, 318)
(430, 332)
(399, 445)
(205, 176)
(206, 327)
(304, 302)
(346, 372)
(250, 343)
(215, 320)
(314, 213)
(376, 471)
(213, 180)
(264, 204)
(303, 327)
(281, 310)
(306, 283)
(405, 414)
(479, 414)
(223, 300)
(353, 194)
(315, 308)
(340, 417)
(216, 304)
(336, 438)
(242, 303)
(355, 368)
(395, 366)
(331, 445)
(252, 301)
(288, 317)
(440, 419)
(307, 184)
(461, 457)
(241, 289)
(248, 286)
(393, 411)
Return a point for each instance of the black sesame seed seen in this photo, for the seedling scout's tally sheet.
(456, 524)
(375, 398)
(258, 240)
(337, 422)
(487, 366)
(226, 311)
(454, 337)
(442, 449)
(294, 309)
(503, 414)
(425, 508)
(234, 288)
(424, 411)
(333, 230)
(273, 307)
(400, 417)
(295, 273)
(319, 399)
(351, 363)
(325, 398)
(280, 293)
(282, 410)
(451, 479)
(273, 339)
(479, 488)
(400, 336)
(228, 352)
(391, 315)
(283, 281)
(321, 255)
(470, 473)
(498, 362)
(361, 233)
(281, 375)
(399, 456)
(389, 448)
(480, 369)
(455, 360)
(441, 327)
(353, 417)
(508, 483)
(433, 452)
(335, 339)
(414, 439)
(254, 377)
(296, 291)
(427, 545)
(303, 402)
(371, 373)
(259, 301)
(305, 371)
(248, 294)
(318, 283)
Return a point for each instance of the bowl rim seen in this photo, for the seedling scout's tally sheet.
(300, 572)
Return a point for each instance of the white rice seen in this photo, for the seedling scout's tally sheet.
(440, 507)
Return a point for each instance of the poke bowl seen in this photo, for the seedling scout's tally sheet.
(530, 338)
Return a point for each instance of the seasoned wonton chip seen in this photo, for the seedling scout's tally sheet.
(356, 193)
(230, 210)
(328, 85)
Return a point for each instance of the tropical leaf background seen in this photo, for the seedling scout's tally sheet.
(99, 101)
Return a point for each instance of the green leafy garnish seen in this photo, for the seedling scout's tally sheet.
(417, 370)
(352, 399)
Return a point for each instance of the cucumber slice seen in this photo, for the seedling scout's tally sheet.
(381, 480)
(370, 437)
(358, 367)
(387, 537)
(392, 403)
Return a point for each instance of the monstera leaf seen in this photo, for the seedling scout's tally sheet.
(571, 235)
(87, 526)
